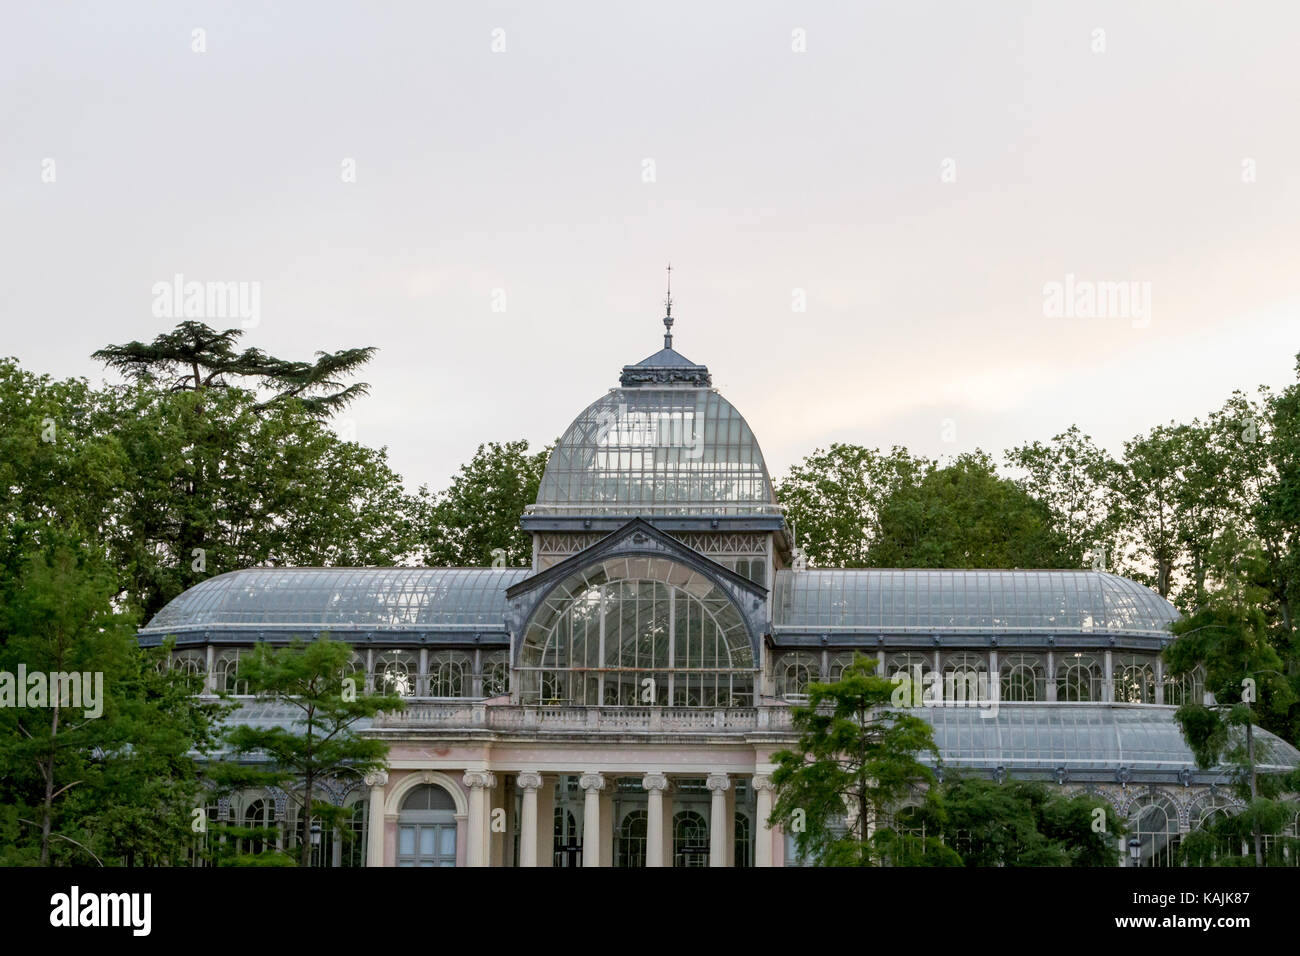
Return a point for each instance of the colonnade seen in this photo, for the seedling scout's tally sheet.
(490, 821)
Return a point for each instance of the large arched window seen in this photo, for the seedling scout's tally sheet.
(637, 631)
(690, 839)
(794, 672)
(1134, 679)
(966, 678)
(396, 672)
(226, 679)
(1154, 822)
(259, 819)
(1185, 688)
(451, 674)
(426, 828)
(1078, 678)
(631, 848)
(1023, 677)
(914, 670)
(496, 673)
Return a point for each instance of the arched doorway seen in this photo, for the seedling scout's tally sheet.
(1154, 823)
(690, 839)
(426, 828)
(631, 847)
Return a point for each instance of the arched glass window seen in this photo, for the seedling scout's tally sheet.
(1186, 688)
(1154, 822)
(426, 828)
(744, 842)
(794, 672)
(1023, 677)
(568, 842)
(395, 673)
(966, 678)
(1134, 677)
(259, 815)
(838, 663)
(912, 668)
(451, 674)
(496, 673)
(637, 631)
(226, 675)
(354, 842)
(191, 662)
(632, 840)
(690, 839)
(1078, 677)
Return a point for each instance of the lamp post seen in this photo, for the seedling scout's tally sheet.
(1135, 851)
(315, 841)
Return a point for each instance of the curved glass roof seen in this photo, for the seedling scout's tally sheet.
(657, 450)
(966, 601)
(1076, 736)
(343, 599)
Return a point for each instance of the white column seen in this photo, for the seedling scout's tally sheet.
(376, 780)
(719, 827)
(529, 784)
(655, 784)
(1108, 688)
(478, 782)
(210, 684)
(763, 790)
(592, 784)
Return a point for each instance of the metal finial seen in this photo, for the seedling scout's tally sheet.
(668, 314)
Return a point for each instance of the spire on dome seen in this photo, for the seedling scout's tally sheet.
(668, 314)
(667, 366)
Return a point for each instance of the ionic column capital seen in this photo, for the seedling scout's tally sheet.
(377, 778)
(592, 781)
(655, 781)
(718, 781)
(762, 781)
(529, 780)
(479, 779)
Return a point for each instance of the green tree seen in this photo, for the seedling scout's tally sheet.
(321, 742)
(856, 762)
(1023, 823)
(1242, 671)
(194, 357)
(833, 500)
(243, 486)
(1074, 478)
(475, 521)
(1149, 487)
(60, 620)
(964, 515)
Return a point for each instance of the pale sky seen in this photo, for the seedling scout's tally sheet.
(916, 174)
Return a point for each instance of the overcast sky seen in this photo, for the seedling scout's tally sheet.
(913, 175)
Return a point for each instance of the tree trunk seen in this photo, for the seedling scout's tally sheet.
(48, 809)
(1254, 791)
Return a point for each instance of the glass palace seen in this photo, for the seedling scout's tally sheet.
(618, 702)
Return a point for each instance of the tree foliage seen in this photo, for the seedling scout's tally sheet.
(856, 762)
(475, 521)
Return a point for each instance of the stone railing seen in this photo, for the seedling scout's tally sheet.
(468, 715)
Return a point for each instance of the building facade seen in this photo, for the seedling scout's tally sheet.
(618, 702)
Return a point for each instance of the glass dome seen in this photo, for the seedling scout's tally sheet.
(967, 601)
(657, 451)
